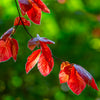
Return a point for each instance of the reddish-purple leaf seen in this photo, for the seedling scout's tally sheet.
(8, 33)
(75, 82)
(44, 40)
(19, 22)
(32, 43)
(25, 5)
(32, 60)
(14, 48)
(43, 65)
(36, 42)
(34, 14)
(86, 76)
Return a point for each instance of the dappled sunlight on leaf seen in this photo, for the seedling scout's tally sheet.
(46, 62)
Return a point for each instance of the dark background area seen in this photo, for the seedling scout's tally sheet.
(75, 28)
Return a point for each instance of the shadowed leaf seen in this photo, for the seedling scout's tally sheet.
(5, 50)
(14, 48)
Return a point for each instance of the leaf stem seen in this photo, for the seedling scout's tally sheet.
(58, 58)
(22, 21)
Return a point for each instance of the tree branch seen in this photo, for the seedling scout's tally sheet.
(22, 21)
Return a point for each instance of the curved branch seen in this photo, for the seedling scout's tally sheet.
(22, 21)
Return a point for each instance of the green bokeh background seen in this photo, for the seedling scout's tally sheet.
(75, 28)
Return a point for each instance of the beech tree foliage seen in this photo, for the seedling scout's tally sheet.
(74, 75)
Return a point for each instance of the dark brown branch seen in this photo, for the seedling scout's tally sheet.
(22, 21)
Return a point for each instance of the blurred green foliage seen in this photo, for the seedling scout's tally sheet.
(75, 27)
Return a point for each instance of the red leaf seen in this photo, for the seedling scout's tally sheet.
(76, 77)
(32, 43)
(46, 53)
(34, 14)
(93, 84)
(43, 65)
(45, 40)
(25, 5)
(42, 6)
(86, 76)
(75, 82)
(65, 64)
(14, 48)
(32, 60)
(63, 77)
(64, 74)
(8, 33)
(5, 50)
(19, 22)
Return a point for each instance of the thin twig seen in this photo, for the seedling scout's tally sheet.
(58, 58)
(21, 20)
